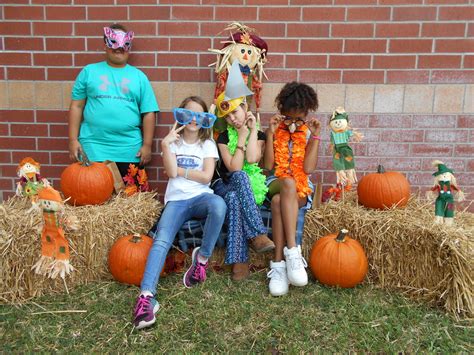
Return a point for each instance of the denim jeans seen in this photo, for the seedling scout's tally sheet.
(175, 213)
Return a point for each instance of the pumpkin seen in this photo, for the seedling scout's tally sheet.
(383, 189)
(87, 183)
(127, 258)
(338, 260)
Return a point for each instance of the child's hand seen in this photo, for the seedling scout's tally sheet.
(243, 130)
(314, 126)
(274, 123)
(251, 121)
(173, 136)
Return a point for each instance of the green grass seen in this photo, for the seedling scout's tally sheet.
(224, 316)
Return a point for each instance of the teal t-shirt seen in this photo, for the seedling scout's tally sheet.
(115, 100)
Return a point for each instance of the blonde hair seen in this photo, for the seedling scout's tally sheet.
(204, 133)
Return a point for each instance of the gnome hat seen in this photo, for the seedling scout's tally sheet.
(338, 114)
(442, 168)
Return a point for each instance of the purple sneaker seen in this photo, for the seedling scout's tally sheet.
(144, 312)
(196, 272)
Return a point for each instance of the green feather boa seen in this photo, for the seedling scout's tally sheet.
(254, 172)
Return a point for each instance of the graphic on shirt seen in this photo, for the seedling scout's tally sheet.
(105, 83)
(124, 86)
(188, 161)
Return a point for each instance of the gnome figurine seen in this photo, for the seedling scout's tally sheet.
(343, 156)
(445, 184)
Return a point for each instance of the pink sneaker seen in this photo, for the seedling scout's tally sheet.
(144, 311)
(196, 272)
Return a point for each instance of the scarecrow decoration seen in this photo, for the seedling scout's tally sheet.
(250, 51)
(54, 259)
(30, 180)
(343, 157)
(445, 184)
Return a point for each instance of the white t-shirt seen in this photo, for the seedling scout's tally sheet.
(189, 156)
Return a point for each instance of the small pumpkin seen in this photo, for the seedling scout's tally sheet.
(338, 260)
(127, 258)
(382, 190)
(87, 183)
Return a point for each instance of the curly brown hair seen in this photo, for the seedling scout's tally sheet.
(297, 96)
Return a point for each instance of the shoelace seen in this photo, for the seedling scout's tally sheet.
(143, 305)
(199, 272)
(277, 274)
(297, 262)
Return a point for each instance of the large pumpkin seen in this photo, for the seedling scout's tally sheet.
(127, 258)
(338, 260)
(383, 189)
(87, 183)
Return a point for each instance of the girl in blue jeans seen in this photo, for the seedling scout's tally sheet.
(189, 161)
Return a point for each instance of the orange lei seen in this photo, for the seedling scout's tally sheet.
(283, 167)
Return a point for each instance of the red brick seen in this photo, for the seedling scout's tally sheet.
(470, 30)
(282, 45)
(410, 45)
(190, 44)
(22, 73)
(402, 164)
(53, 144)
(311, 2)
(15, 28)
(408, 76)
(3, 73)
(65, 13)
(320, 76)
(51, 116)
(61, 74)
(65, 44)
(60, 158)
(6, 184)
(306, 30)
(96, 44)
(91, 29)
(321, 45)
(150, 44)
(465, 121)
(142, 59)
(16, 116)
(306, 61)
(58, 130)
(452, 77)
(443, 29)
(470, 165)
(349, 61)
(268, 13)
(150, 12)
(266, 30)
(82, 59)
(52, 29)
(281, 76)
(96, 2)
(52, 171)
(190, 2)
(456, 13)
(390, 121)
(157, 74)
(414, 13)
(227, 2)
(400, 2)
(203, 75)
(178, 29)
(464, 150)
(4, 129)
(323, 14)
(388, 149)
(432, 150)
(23, 44)
(355, 2)
(5, 157)
(448, 136)
(15, 2)
(177, 59)
(397, 30)
(41, 157)
(17, 143)
(23, 12)
(352, 30)
(466, 178)
(439, 61)
(444, 2)
(194, 13)
(52, 59)
(365, 46)
(363, 77)
(454, 45)
(32, 130)
(119, 13)
(468, 61)
(434, 121)
(13, 58)
(456, 164)
(368, 14)
(142, 28)
(204, 59)
(276, 61)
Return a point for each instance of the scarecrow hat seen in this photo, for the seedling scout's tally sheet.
(50, 194)
(442, 168)
(338, 114)
(245, 35)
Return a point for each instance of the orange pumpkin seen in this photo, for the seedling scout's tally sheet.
(338, 260)
(87, 183)
(127, 258)
(383, 190)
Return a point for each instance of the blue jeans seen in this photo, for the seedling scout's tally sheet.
(175, 213)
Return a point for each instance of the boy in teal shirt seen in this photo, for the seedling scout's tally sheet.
(112, 103)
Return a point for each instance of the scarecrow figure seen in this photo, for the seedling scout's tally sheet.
(54, 259)
(343, 157)
(30, 180)
(445, 184)
(250, 51)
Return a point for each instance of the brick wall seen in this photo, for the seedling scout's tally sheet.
(404, 70)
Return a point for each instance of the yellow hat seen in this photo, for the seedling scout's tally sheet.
(224, 107)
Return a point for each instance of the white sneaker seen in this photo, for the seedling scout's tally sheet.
(295, 266)
(278, 281)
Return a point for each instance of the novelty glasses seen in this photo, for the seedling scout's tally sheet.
(115, 39)
(203, 119)
(287, 120)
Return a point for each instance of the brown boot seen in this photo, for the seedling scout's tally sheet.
(240, 271)
(261, 243)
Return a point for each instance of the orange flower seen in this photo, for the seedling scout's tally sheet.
(142, 177)
(131, 190)
(132, 170)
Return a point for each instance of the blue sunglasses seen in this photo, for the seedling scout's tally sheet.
(203, 119)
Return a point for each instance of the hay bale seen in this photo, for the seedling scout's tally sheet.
(406, 250)
(100, 226)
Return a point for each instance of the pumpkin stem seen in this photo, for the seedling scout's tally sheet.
(136, 238)
(84, 159)
(342, 235)
(380, 169)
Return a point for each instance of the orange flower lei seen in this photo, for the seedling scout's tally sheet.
(283, 167)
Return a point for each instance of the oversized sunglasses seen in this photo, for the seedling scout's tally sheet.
(203, 119)
(297, 121)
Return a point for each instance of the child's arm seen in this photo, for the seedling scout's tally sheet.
(269, 156)
(75, 118)
(312, 148)
(253, 153)
(204, 176)
(148, 132)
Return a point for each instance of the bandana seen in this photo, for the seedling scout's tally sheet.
(115, 39)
